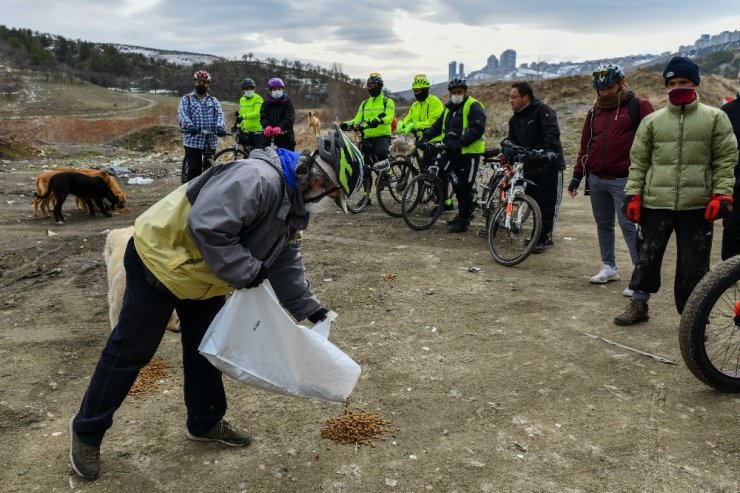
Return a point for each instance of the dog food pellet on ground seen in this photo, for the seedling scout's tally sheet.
(149, 376)
(358, 427)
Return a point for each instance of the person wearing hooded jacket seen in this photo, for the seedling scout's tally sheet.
(535, 125)
(277, 115)
(374, 117)
(231, 228)
(680, 179)
(461, 126)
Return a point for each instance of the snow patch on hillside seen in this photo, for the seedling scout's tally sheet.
(180, 58)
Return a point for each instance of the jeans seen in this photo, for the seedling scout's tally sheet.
(606, 201)
(147, 306)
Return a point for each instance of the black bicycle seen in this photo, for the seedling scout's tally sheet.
(238, 150)
(208, 156)
(709, 331)
(394, 178)
(361, 199)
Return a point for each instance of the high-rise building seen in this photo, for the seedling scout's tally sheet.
(461, 72)
(492, 63)
(452, 70)
(508, 59)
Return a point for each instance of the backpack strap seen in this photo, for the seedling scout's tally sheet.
(633, 107)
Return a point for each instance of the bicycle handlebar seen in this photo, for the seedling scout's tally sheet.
(510, 148)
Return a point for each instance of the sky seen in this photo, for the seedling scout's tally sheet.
(397, 38)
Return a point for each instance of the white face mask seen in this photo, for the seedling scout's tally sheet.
(249, 93)
(456, 98)
(323, 205)
(277, 93)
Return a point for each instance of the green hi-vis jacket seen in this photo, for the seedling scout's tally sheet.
(249, 110)
(423, 114)
(370, 109)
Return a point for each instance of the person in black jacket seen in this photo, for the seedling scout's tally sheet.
(731, 223)
(461, 125)
(277, 115)
(535, 125)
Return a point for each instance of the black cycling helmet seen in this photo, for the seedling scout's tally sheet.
(344, 159)
(374, 78)
(248, 83)
(457, 82)
(607, 75)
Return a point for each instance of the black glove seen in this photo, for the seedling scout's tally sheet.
(626, 203)
(551, 156)
(574, 183)
(344, 126)
(451, 142)
(258, 278)
(373, 123)
(192, 130)
(318, 315)
(220, 131)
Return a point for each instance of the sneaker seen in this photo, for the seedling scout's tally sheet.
(84, 458)
(540, 247)
(627, 292)
(636, 312)
(605, 275)
(225, 433)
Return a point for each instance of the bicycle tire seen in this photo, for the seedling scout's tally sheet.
(421, 204)
(390, 185)
(356, 204)
(709, 337)
(491, 199)
(510, 246)
(228, 155)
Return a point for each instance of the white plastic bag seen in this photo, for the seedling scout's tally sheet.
(253, 340)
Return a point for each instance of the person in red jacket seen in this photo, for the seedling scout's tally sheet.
(604, 159)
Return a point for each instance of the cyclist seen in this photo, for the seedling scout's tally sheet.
(424, 111)
(250, 105)
(199, 111)
(277, 115)
(374, 116)
(461, 126)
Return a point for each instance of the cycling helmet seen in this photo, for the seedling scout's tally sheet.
(247, 83)
(420, 82)
(202, 75)
(344, 158)
(457, 82)
(607, 75)
(275, 83)
(374, 78)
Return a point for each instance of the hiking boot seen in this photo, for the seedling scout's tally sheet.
(225, 433)
(454, 220)
(459, 227)
(636, 312)
(540, 246)
(84, 458)
(605, 275)
(627, 292)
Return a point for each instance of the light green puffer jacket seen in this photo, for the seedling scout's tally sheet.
(680, 157)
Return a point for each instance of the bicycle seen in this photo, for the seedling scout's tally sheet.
(393, 179)
(371, 164)
(515, 227)
(208, 156)
(238, 150)
(709, 330)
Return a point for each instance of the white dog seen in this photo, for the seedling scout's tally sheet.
(115, 246)
(314, 124)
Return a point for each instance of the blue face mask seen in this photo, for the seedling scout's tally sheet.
(277, 93)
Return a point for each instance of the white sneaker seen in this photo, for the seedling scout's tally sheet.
(627, 292)
(605, 275)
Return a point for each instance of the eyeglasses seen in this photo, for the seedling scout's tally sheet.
(512, 98)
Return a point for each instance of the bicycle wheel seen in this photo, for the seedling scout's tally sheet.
(228, 155)
(709, 331)
(421, 201)
(390, 185)
(361, 198)
(491, 200)
(511, 244)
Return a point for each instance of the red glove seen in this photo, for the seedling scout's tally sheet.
(633, 209)
(268, 131)
(718, 207)
(276, 131)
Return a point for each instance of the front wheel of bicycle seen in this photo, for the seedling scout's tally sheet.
(390, 185)
(709, 331)
(228, 155)
(421, 203)
(513, 242)
(361, 198)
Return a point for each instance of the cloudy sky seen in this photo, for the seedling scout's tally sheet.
(398, 38)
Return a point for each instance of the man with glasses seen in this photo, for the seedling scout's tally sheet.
(535, 125)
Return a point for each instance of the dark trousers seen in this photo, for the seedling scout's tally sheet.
(192, 164)
(377, 148)
(547, 194)
(731, 233)
(252, 139)
(694, 246)
(464, 167)
(285, 141)
(147, 306)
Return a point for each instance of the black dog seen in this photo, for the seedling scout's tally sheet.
(88, 188)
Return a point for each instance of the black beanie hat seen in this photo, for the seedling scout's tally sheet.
(680, 66)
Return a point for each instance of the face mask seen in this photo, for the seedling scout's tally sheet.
(249, 93)
(323, 205)
(201, 90)
(277, 93)
(421, 96)
(456, 98)
(374, 91)
(679, 96)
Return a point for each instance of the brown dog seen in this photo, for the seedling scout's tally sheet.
(41, 206)
(115, 247)
(314, 124)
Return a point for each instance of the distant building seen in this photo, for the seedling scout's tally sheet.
(508, 59)
(492, 63)
(452, 70)
(461, 72)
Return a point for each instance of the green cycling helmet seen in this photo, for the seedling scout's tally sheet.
(420, 82)
(344, 160)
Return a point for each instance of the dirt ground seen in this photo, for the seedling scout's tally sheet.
(489, 377)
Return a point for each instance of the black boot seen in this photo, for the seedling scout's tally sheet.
(460, 226)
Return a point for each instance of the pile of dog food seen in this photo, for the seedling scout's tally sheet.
(148, 380)
(358, 427)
